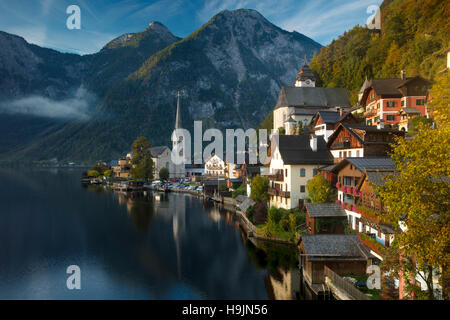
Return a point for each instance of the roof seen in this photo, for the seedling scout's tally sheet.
(329, 116)
(367, 163)
(353, 128)
(389, 86)
(376, 176)
(323, 247)
(156, 151)
(410, 110)
(246, 204)
(318, 210)
(296, 149)
(313, 97)
(240, 198)
(290, 120)
(365, 85)
(213, 182)
(305, 73)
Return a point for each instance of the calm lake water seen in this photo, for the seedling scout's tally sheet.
(174, 247)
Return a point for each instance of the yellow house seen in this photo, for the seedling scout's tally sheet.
(295, 160)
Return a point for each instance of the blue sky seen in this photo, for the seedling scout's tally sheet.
(43, 22)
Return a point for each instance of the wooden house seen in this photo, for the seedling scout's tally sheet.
(344, 254)
(325, 218)
(358, 141)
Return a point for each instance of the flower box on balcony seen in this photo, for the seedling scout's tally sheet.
(371, 243)
(338, 185)
(338, 202)
(348, 190)
(354, 191)
(343, 189)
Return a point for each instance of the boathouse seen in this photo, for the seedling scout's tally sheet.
(344, 254)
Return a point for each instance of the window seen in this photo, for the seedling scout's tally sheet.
(357, 153)
(378, 105)
(302, 172)
(420, 102)
(314, 172)
(302, 189)
(391, 104)
(403, 103)
(340, 154)
(286, 172)
(390, 117)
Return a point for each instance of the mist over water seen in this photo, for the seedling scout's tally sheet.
(75, 107)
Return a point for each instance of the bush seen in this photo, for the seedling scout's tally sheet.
(241, 191)
(93, 173)
(250, 213)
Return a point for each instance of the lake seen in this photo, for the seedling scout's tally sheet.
(128, 247)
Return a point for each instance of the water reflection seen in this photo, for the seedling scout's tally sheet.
(128, 246)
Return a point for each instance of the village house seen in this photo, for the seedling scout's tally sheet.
(325, 123)
(194, 171)
(354, 140)
(385, 98)
(325, 218)
(123, 168)
(295, 160)
(161, 157)
(356, 178)
(349, 173)
(215, 166)
(300, 103)
(364, 219)
(343, 254)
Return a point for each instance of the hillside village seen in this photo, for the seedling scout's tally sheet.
(320, 134)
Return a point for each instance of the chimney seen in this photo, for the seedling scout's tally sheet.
(403, 74)
(380, 124)
(313, 142)
(341, 112)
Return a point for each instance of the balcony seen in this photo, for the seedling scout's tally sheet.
(285, 194)
(277, 176)
(370, 113)
(277, 192)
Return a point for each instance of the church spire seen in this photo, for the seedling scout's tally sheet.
(178, 117)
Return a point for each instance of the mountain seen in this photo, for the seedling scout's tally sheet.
(229, 71)
(412, 36)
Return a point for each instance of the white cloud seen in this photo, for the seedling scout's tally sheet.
(76, 107)
(317, 18)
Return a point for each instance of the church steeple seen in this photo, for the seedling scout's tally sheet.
(305, 77)
(178, 117)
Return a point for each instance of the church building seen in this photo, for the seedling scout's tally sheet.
(297, 105)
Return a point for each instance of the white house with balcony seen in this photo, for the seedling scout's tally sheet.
(295, 160)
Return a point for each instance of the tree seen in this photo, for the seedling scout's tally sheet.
(164, 174)
(142, 159)
(418, 121)
(93, 173)
(259, 188)
(319, 190)
(418, 194)
(241, 191)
